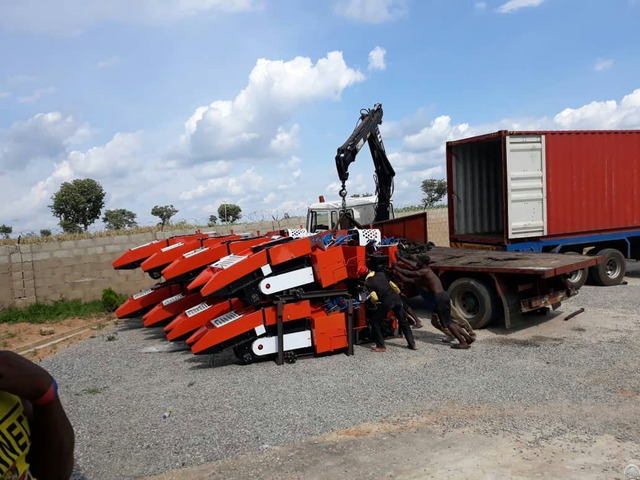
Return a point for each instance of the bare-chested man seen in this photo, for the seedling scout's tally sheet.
(423, 277)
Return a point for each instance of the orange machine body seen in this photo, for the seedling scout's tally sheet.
(328, 266)
(192, 319)
(170, 307)
(146, 299)
(329, 331)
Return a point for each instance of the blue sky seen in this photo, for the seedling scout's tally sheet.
(195, 102)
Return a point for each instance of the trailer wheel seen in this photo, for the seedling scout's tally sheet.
(577, 279)
(612, 271)
(475, 300)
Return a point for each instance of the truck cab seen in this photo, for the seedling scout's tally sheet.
(325, 215)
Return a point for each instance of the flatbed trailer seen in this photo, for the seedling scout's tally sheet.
(486, 283)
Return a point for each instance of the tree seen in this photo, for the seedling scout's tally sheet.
(119, 218)
(5, 230)
(229, 213)
(434, 191)
(78, 204)
(164, 213)
(45, 232)
(213, 221)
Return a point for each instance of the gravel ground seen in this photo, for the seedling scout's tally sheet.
(116, 391)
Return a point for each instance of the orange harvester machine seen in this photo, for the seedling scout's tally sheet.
(275, 295)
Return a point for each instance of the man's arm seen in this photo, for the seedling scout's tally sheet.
(412, 274)
(51, 453)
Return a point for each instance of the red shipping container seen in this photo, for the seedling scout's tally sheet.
(509, 187)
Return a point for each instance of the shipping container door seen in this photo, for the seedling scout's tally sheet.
(526, 186)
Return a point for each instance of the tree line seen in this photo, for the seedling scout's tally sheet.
(78, 204)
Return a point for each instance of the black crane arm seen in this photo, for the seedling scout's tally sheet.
(367, 130)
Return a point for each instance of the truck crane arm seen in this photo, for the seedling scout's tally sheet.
(367, 130)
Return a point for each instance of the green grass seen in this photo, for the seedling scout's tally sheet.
(52, 312)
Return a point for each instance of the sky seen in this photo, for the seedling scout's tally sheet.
(199, 102)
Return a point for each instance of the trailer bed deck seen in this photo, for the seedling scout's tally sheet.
(518, 263)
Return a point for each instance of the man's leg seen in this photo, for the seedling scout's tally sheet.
(398, 309)
(437, 324)
(411, 315)
(376, 329)
(443, 306)
(457, 317)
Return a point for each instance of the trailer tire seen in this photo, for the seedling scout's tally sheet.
(612, 271)
(475, 300)
(577, 279)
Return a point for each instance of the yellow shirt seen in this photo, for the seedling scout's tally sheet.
(14, 439)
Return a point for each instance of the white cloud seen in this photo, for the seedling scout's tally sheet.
(45, 135)
(603, 115)
(116, 158)
(253, 124)
(21, 79)
(431, 137)
(514, 5)
(74, 16)
(425, 149)
(4, 94)
(285, 140)
(603, 64)
(372, 11)
(36, 95)
(480, 6)
(109, 62)
(376, 59)
(270, 197)
(217, 169)
(249, 181)
(295, 161)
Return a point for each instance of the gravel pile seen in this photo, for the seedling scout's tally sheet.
(117, 391)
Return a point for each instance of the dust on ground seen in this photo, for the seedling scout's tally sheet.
(22, 337)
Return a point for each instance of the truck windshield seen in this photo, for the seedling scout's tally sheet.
(321, 221)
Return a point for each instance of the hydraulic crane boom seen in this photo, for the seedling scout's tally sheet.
(367, 130)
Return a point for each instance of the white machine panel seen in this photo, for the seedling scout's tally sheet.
(284, 281)
(171, 247)
(292, 341)
(226, 262)
(170, 300)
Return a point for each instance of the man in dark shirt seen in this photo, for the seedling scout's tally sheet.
(386, 297)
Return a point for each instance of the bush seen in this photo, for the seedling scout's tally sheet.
(111, 300)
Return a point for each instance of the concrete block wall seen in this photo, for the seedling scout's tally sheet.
(81, 269)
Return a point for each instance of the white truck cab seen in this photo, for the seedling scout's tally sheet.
(324, 215)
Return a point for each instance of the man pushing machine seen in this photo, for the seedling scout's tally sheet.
(419, 274)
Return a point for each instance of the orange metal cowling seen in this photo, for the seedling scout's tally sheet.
(194, 260)
(216, 335)
(168, 254)
(133, 257)
(187, 323)
(329, 331)
(290, 312)
(329, 266)
(237, 247)
(224, 276)
(355, 257)
(146, 299)
(289, 251)
(170, 307)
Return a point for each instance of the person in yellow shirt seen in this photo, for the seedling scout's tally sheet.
(386, 297)
(36, 437)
